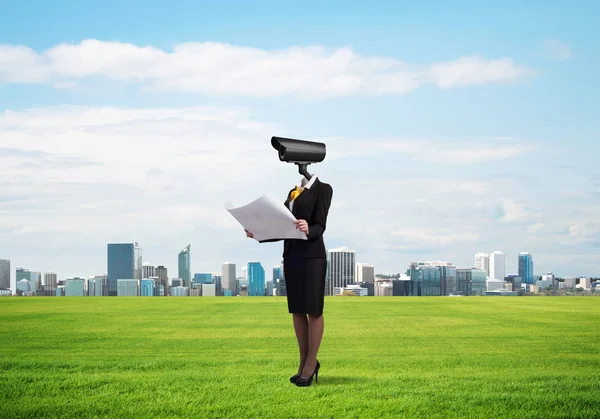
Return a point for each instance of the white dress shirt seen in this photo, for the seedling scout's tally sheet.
(306, 184)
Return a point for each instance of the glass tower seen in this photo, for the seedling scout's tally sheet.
(203, 278)
(124, 262)
(4, 273)
(256, 279)
(184, 266)
(526, 267)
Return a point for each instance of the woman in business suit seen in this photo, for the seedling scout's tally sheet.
(305, 268)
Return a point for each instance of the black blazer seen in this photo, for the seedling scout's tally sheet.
(311, 205)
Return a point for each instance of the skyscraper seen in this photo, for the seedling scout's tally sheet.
(526, 267)
(124, 262)
(364, 273)
(30, 277)
(482, 262)
(341, 268)
(50, 279)
(148, 271)
(228, 280)
(4, 273)
(497, 265)
(95, 286)
(184, 272)
(163, 279)
(256, 279)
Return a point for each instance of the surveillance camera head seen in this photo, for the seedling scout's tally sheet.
(298, 151)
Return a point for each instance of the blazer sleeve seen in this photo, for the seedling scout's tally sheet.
(319, 221)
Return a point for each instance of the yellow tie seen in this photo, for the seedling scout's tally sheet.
(295, 193)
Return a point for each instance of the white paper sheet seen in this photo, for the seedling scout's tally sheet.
(267, 218)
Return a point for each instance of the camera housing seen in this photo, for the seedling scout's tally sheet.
(299, 152)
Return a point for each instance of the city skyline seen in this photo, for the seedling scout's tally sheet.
(345, 268)
(443, 139)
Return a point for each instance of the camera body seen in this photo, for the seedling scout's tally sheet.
(300, 152)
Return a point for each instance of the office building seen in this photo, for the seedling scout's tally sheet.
(256, 279)
(196, 291)
(203, 278)
(526, 268)
(357, 290)
(4, 274)
(50, 279)
(513, 283)
(148, 271)
(147, 287)
(482, 262)
(163, 278)
(128, 287)
(547, 281)
(242, 286)
(271, 289)
(281, 291)
(341, 262)
(471, 281)
(585, 284)
(96, 286)
(75, 287)
(400, 287)
(425, 279)
(384, 289)
(24, 287)
(229, 278)
(570, 282)
(180, 291)
(34, 279)
(184, 270)
(208, 290)
(494, 284)
(217, 280)
(497, 266)
(124, 262)
(245, 272)
(364, 272)
(433, 278)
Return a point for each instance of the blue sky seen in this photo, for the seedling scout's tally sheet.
(451, 129)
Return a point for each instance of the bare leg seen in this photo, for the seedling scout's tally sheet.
(301, 329)
(316, 325)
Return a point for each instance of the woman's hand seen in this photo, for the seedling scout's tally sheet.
(248, 234)
(302, 225)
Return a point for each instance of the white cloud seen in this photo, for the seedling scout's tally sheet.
(557, 50)
(468, 71)
(437, 237)
(75, 178)
(515, 212)
(442, 151)
(223, 69)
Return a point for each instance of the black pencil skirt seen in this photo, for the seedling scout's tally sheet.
(305, 284)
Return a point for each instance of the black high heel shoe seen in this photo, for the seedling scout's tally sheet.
(294, 378)
(301, 382)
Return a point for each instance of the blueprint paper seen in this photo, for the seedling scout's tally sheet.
(267, 218)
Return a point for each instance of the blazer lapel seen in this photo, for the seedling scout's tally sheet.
(304, 192)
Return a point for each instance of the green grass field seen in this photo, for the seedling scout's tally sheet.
(232, 357)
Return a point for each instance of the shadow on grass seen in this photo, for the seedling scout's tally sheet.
(341, 380)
